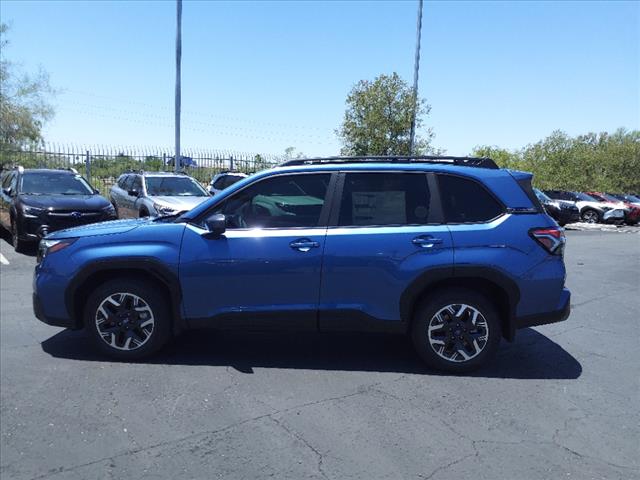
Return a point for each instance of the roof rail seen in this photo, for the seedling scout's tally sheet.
(480, 162)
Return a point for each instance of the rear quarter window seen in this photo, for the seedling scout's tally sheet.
(466, 201)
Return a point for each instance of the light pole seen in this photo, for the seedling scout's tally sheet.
(416, 68)
(177, 158)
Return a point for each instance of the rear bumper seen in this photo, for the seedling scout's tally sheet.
(545, 318)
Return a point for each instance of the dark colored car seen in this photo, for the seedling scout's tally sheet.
(561, 211)
(35, 202)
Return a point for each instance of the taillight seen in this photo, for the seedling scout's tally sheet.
(551, 238)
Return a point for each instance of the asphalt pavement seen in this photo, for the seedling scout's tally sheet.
(560, 402)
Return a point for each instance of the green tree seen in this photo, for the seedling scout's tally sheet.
(590, 162)
(377, 120)
(24, 101)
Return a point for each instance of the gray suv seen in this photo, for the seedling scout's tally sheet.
(153, 194)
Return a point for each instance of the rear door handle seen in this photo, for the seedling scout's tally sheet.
(426, 241)
(303, 244)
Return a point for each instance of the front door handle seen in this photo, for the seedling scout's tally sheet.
(303, 244)
(426, 241)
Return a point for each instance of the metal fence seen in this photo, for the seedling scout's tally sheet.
(102, 165)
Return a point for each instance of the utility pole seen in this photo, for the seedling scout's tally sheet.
(416, 68)
(177, 158)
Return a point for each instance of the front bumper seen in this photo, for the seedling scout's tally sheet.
(559, 315)
(613, 215)
(55, 322)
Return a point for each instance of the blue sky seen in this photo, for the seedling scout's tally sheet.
(262, 76)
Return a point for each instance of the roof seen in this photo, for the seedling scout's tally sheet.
(481, 162)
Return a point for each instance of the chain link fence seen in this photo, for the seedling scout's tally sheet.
(102, 165)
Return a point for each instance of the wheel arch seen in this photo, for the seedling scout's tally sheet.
(493, 284)
(145, 269)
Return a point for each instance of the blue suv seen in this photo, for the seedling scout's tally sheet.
(455, 252)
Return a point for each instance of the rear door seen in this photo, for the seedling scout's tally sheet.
(385, 233)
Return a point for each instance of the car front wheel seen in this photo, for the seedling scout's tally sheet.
(456, 330)
(127, 320)
(590, 216)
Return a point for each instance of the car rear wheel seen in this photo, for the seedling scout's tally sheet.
(456, 330)
(127, 320)
(143, 213)
(590, 216)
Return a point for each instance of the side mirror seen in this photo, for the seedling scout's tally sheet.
(216, 224)
(7, 191)
(133, 193)
(96, 191)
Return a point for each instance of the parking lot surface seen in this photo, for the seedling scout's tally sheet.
(559, 402)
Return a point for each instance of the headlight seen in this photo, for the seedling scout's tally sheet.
(555, 204)
(46, 247)
(163, 209)
(31, 211)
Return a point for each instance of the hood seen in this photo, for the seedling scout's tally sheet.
(180, 203)
(102, 228)
(81, 203)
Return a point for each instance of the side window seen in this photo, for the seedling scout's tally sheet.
(136, 184)
(370, 199)
(13, 182)
(466, 201)
(122, 180)
(279, 202)
(6, 179)
(126, 185)
(219, 184)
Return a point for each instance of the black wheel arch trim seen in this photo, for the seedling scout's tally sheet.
(147, 265)
(432, 277)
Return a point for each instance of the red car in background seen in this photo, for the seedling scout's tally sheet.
(631, 211)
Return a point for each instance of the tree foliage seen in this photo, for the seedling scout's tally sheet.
(591, 162)
(24, 101)
(377, 120)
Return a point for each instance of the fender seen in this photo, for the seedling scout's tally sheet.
(148, 265)
(434, 276)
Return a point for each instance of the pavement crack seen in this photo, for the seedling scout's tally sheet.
(318, 454)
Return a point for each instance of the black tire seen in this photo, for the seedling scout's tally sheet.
(440, 299)
(20, 246)
(160, 314)
(115, 207)
(143, 213)
(589, 215)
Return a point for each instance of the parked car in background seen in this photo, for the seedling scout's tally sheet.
(591, 210)
(561, 211)
(145, 194)
(627, 198)
(35, 202)
(453, 252)
(222, 180)
(631, 212)
(184, 162)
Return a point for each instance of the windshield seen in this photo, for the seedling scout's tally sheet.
(633, 198)
(586, 198)
(42, 183)
(174, 187)
(541, 196)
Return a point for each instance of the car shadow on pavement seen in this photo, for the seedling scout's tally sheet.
(531, 356)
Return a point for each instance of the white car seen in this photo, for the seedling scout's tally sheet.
(223, 180)
(145, 194)
(591, 210)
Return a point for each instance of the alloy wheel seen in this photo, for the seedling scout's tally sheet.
(124, 321)
(590, 216)
(458, 332)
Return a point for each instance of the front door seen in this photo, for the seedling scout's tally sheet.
(264, 271)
